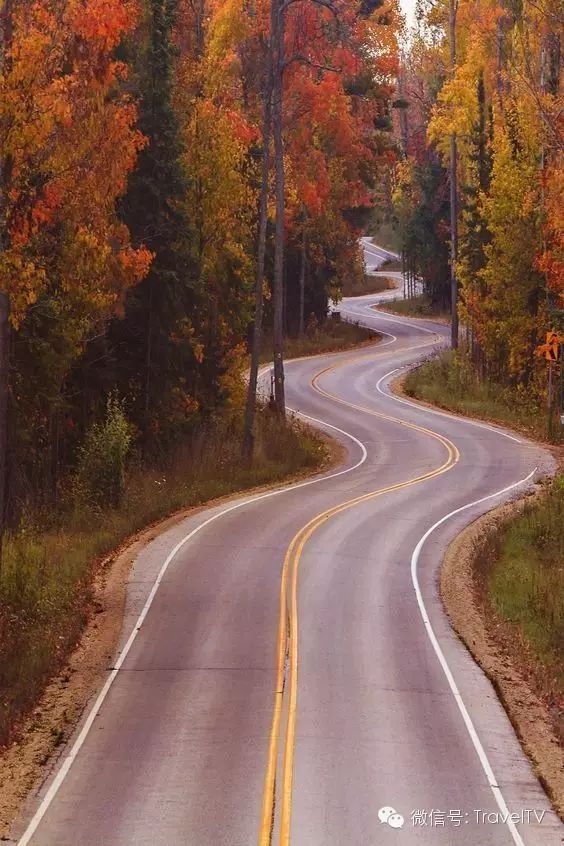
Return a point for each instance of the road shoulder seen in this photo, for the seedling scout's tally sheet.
(486, 640)
(489, 640)
(32, 757)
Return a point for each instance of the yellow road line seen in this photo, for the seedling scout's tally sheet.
(288, 625)
(267, 816)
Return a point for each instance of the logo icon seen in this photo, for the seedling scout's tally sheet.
(389, 816)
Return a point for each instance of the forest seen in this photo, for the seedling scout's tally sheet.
(479, 191)
(182, 183)
(132, 138)
(183, 186)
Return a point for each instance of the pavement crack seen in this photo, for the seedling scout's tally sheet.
(191, 669)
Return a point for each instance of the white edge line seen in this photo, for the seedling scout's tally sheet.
(374, 250)
(93, 713)
(424, 408)
(378, 316)
(486, 766)
(343, 353)
(437, 413)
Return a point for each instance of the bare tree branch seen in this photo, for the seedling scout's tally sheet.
(304, 60)
(326, 4)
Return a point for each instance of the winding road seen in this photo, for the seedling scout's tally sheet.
(286, 667)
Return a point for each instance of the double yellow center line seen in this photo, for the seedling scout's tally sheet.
(287, 645)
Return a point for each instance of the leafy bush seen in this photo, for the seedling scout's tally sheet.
(100, 476)
(46, 574)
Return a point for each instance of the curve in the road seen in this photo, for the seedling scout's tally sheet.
(468, 722)
(184, 723)
(288, 626)
(63, 770)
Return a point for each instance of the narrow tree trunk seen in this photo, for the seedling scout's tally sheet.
(453, 196)
(302, 281)
(148, 367)
(5, 178)
(278, 293)
(250, 409)
(4, 363)
(403, 273)
(403, 120)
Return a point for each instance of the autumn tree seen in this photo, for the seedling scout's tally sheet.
(325, 150)
(69, 141)
(502, 102)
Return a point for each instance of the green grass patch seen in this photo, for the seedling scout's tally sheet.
(332, 336)
(392, 264)
(527, 580)
(522, 569)
(387, 237)
(448, 381)
(47, 572)
(419, 306)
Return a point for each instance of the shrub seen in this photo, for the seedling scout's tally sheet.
(100, 476)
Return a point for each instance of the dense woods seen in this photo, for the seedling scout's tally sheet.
(182, 182)
(132, 138)
(497, 100)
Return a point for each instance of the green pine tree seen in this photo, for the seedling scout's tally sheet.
(154, 342)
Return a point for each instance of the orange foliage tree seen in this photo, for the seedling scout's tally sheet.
(68, 141)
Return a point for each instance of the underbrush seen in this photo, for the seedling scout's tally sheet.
(420, 306)
(332, 336)
(368, 284)
(387, 236)
(448, 381)
(521, 571)
(49, 564)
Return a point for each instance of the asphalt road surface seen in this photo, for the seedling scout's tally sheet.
(375, 256)
(292, 672)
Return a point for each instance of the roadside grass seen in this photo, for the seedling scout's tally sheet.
(392, 264)
(387, 237)
(332, 336)
(368, 285)
(448, 382)
(47, 573)
(419, 306)
(521, 569)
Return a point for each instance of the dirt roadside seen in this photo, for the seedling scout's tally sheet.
(29, 759)
(503, 661)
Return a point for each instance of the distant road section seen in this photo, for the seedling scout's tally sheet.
(374, 257)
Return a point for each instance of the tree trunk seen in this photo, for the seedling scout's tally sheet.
(278, 293)
(301, 326)
(403, 273)
(4, 364)
(148, 367)
(250, 408)
(453, 197)
(5, 178)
